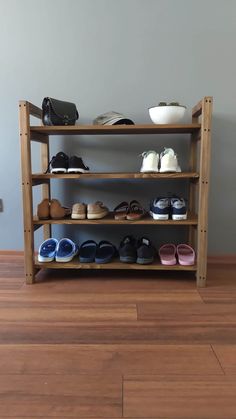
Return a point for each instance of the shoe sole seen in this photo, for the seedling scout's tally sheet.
(59, 170)
(149, 171)
(179, 217)
(64, 259)
(78, 216)
(127, 259)
(96, 216)
(169, 262)
(74, 170)
(162, 217)
(45, 259)
(143, 261)
(86, 260)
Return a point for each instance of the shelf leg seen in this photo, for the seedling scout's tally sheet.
(24, 116)
(192, 187)
(46, 189)
(205, 150)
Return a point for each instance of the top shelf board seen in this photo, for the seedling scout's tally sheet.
(115, 129)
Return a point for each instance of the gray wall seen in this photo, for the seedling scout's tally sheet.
(124, 56)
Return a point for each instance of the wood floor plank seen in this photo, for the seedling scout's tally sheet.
(219, 296)
(10, 281)
(227, 357)
(40, 299)
(107, 359)
(179, 397)
(92, 312)
(117, 332)
(192, 312)
(57, 395)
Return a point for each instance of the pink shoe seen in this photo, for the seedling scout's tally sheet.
(186, 254)
(167, 254)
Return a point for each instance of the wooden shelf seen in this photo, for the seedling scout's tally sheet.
(117, 175)
(109, 220)
(75, 264)
(196, 179)
(115, 129)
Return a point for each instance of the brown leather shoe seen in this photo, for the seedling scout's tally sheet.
(96, 211)
(43, 211)
(57, 211)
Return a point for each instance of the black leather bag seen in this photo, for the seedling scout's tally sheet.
(58, 112)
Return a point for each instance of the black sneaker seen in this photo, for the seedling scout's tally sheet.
(76, 165)
(59, 163)
(127, 250)
(145, 251)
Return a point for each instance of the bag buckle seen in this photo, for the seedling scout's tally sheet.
(66, 119)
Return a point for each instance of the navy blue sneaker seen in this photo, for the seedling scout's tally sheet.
(160, 208)
(178, 209)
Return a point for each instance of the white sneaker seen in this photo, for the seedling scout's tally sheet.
(150, 161)
(169, 161)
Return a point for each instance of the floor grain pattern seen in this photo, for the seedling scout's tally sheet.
(127, 344)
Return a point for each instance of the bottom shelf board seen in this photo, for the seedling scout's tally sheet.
(116, 264)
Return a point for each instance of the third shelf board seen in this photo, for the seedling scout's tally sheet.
(109, 220)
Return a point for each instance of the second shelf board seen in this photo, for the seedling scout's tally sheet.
(116, 175)
(109, 220)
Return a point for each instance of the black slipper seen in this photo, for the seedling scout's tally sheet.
(127, 250)
(87, 251)
(105, 252)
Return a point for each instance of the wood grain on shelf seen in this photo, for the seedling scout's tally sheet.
(109, 219)
(116, 264)
(117, 129)
(117, 175)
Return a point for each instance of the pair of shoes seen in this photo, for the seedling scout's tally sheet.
(169, 253)
(51, 209)
(165, 208)
(168, 161)
(102, 252)
(140, 251)
(129, 211)
(96, 211)
(62, 251)
(61, 163)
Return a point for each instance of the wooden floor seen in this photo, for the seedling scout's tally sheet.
(120, 345)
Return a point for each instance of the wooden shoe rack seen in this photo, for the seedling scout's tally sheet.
(199, 132)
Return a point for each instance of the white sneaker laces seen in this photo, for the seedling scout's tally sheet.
(146, 153)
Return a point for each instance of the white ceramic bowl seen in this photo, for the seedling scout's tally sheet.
(166, 114)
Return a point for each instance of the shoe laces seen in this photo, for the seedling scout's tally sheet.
(168, 151)
(60, 154)
(146, 153)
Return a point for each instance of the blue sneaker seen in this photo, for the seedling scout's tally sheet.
(47, 250)
(160, 209)
(66, 250)
(178, 209)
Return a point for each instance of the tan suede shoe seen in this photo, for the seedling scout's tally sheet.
(57, 211)
(96, 211)
(43, 211)
(79, 211)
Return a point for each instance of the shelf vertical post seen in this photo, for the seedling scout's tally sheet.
(24, 121)
(46, 190)
(204, 163)
(192, 186)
